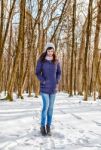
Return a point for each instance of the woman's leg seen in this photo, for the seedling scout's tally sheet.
(45, 99)
(50, 108)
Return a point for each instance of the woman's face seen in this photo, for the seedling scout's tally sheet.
(50, 52)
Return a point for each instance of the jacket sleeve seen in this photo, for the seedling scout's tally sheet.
(38, 71)
(58, 73)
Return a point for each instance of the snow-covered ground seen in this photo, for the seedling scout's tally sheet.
(76, 124)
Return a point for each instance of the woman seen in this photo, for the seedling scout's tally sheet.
(48, 72)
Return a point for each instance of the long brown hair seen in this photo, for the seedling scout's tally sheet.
(43, 55)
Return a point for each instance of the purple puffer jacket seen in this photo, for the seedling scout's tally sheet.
(49, 75)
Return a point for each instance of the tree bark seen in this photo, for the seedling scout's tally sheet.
(73, 46)
(88, 33)
(96, 50)
(18, 50)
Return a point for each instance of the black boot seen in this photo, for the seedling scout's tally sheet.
(43, 131)
(48, 130)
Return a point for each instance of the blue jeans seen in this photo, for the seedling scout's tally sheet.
(47, 110)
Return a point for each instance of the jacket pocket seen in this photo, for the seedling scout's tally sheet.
(47, 83)
(42, 83)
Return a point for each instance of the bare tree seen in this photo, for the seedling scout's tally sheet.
(88, 33)
(96, 55)
(19, 47)
(73, 45)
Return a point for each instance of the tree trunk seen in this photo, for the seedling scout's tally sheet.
(73, 43)
(88, 33)
(18, 50)
(81, 60)
(96, 50)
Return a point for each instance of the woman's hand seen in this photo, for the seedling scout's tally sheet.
(44, 82)
(57, 86)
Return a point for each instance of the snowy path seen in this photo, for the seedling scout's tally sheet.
(76, 124)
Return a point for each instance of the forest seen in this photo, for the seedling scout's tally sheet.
(74, 26)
